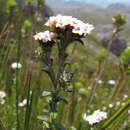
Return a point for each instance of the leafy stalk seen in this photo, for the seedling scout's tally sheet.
(28, 107)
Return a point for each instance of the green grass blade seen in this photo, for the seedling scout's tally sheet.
(28, 107)
(116, 115)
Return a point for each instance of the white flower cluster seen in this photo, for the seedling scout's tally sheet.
(96, 117)
(78, 26)
(16, 65)
(23, 103)
(2, 97)
(45, 37)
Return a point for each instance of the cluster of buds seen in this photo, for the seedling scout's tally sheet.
(65, 80)
(118, 21)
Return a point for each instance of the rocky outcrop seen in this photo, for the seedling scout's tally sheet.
(119, 43)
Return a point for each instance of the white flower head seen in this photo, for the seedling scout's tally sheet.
(111, 82)
(96, 117)
(16, 65)
(45, 37)
(72, 24)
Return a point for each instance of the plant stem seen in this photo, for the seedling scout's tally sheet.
(116, 87)
(102, 68)
(2, 126)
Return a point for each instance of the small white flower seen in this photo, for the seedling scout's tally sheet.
(79, 99)
(46, 93)
(23, 103)
(2, 94)
(110, 105)
(31, 92)
(125, 97)
(2, 101)
(123, 104)
(111, 82)
(16, 65)
(104, 108)
(99, 81)
(96, 117)
(89, 87)
(129, 112)
(2, 97)
(118, 103)
(73, 128)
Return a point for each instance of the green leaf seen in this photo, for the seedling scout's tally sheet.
(47, 125)
(125, 60)
(78, 86)
(59, 126)
(45, 69)
(42, 118)
(60, 98)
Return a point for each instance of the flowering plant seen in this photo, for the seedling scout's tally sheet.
(65, 29)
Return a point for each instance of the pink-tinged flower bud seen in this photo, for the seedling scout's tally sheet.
(45, 38)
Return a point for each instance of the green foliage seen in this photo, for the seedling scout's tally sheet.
(125, 60)
(11, 4)
(38, 3)
(59, 126)
(116, 115)
(119, 20)
(102, 55)
(26, 27)
(78, 86)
